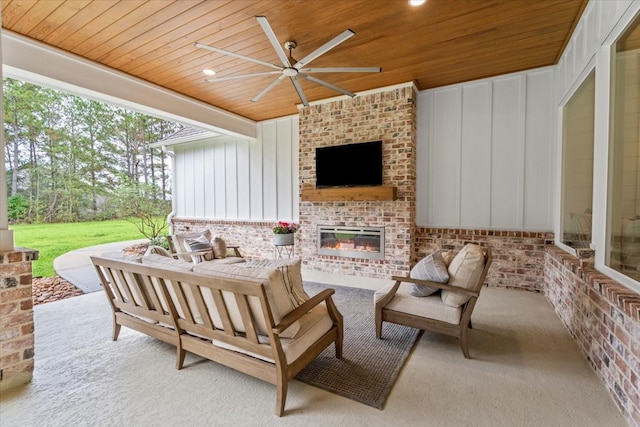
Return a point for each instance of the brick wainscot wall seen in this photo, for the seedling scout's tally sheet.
(604, 318)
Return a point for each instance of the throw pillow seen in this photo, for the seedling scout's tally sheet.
(465, 271)
(219, 248)
(200, 244)
(431, 268)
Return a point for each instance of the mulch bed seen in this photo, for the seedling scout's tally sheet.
(49, 289)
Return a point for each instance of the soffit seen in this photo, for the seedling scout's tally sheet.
(440, 43)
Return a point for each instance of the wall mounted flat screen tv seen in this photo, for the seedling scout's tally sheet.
(350, 165)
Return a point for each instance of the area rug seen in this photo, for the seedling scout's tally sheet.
(369, 366)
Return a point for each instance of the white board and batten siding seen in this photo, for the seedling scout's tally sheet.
(238, 179)
(484, 153)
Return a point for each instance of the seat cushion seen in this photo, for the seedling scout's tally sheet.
(277, 288)
(431, 306)
(464, 272)
(313, 326)
(291, 272)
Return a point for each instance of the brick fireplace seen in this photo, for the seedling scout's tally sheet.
(389, 116)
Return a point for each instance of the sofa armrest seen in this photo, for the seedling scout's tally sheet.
(236, 250)
(442, 286)
(304, 308)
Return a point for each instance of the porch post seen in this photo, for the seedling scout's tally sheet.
(6, 235)
(16, 306)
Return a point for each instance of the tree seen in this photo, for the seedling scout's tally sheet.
(140, 204)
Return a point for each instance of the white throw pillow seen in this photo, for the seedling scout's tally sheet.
(432, 268)
(464, 271)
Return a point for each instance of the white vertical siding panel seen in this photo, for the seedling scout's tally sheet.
(569, 61)
(538, 177)
(189, 181)
(231, 178)
(423, 107)
(444, 158)
(269, 171)
(295, 171)
(209, 182)
(283, 165)
(580, 46)
(198, 184)
(475, 174)
(219, 180)
(244, 192)
(255, 178)
(507, 153)
(179, 183)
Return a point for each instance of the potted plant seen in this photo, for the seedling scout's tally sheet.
(283, 233)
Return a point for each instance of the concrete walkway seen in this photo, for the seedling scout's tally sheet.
(76, 267)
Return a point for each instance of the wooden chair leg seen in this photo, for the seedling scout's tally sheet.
(180, 354)
(338, 344)
(464, 344)
(116, 329)
(378, 325)
(281, 396)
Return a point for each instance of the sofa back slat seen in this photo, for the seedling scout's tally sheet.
(201, 306)
(221, 308)
(134, 294)
(247, 318)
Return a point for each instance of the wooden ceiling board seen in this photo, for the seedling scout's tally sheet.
(440, 43)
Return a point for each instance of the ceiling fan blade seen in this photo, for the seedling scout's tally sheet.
(262, 20)
(324, 48)
(268, 88)
(296, 84)
(342, 70)
(241, 76)
(325, 84)
(235, 55)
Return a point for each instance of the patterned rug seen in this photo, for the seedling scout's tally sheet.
(369, 367)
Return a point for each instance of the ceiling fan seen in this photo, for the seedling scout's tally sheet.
(291, 68)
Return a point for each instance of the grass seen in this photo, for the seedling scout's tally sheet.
(53, 240)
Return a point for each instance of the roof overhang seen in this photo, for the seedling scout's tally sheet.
(35, 62)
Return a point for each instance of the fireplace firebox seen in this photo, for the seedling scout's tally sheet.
(352, 242)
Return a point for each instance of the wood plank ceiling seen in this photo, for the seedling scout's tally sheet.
(439, 43)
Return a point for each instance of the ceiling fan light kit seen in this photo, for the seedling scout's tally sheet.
(290, 67)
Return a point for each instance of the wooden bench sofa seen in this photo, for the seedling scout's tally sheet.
(235, 316)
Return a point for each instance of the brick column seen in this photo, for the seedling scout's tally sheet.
(16, 317)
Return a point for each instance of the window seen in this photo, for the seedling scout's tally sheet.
(623, 204)
(577, 165)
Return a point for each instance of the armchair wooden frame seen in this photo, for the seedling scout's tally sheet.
(459, 330)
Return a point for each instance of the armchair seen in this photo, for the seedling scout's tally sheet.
(446, 312)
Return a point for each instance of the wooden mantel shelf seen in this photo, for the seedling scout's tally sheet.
(349, 193)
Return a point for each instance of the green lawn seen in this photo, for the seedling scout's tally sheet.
(53, 240)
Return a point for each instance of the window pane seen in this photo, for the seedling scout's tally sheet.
(623, 231)
(577, 165)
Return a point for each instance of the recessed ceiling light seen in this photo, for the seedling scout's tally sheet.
(208, 72)
(417, 2)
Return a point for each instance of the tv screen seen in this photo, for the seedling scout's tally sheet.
(350, 165)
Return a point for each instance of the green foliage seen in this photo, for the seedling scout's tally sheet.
(17, 206)
(53, 240)
(68, 155)
(141, 205)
